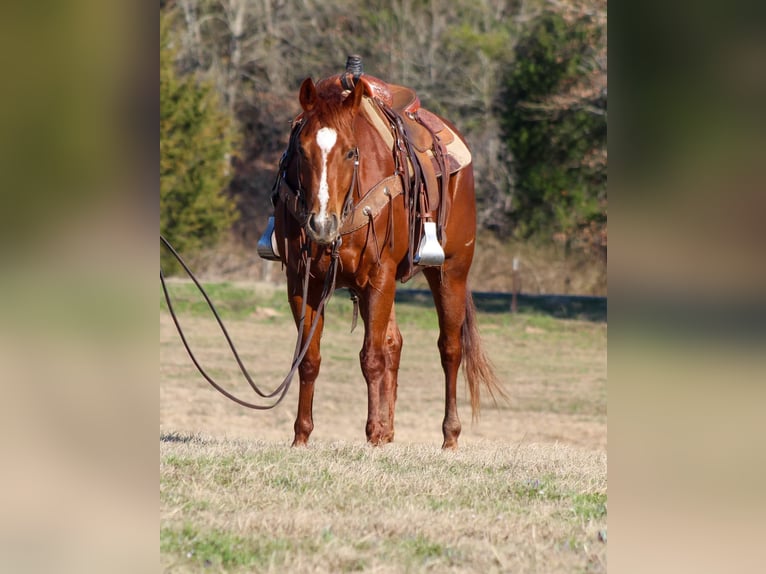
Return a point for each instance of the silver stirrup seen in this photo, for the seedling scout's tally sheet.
(429, 253)
(267, 244)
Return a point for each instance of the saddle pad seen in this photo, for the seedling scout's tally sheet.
(458, 154)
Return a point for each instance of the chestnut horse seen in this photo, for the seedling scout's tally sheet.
(332, 160)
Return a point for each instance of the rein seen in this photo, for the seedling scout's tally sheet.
(301, 347)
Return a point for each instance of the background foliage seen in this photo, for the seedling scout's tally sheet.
(554, 123)
(525, 81)
(196, 138)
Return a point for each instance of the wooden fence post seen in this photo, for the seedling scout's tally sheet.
(516, 284)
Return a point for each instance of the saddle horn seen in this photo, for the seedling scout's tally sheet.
(353, 70)
(354, 66)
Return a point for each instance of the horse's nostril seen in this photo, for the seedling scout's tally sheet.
(312, 223)
(318, 226)
(333, 223)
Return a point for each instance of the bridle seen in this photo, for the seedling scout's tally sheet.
(299, 191)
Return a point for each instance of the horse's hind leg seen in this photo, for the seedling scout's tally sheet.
(448, 286)
(393, 352)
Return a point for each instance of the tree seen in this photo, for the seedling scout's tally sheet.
(554, 121)
(196, 141)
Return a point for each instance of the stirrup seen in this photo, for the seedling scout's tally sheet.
(430, 252)
(267, 244)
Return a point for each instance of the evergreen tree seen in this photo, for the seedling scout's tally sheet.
(553, 117)
(196, 140)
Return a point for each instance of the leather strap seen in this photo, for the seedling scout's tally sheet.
(371, 203)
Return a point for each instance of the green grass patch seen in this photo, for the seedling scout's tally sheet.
(544, 322)
(417, 552)
(231, 301)
(589, 506)
(421, 549)
(537, 489)
(219, 548)
(289, 483)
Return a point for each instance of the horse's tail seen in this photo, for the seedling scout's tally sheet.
(476, 366)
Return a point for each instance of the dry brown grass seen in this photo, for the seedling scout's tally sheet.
(543, 269)
(525, 492)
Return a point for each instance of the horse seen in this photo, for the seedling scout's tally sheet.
(334, 158)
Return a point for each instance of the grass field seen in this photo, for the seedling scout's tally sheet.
(526, 492)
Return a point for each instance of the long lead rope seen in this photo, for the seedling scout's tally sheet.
(301, 346)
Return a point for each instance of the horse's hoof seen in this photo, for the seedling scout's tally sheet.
(300, 442)
(378, 439)
(382, 441)
(449, 445)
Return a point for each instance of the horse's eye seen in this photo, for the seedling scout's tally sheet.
(351, 154)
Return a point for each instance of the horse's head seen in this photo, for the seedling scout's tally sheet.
(328, 157)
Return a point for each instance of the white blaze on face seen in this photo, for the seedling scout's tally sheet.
(326, 138)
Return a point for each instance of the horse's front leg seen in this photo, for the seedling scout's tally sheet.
(377, 360)
(308, 370)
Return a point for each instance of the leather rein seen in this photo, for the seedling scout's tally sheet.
(301, 346)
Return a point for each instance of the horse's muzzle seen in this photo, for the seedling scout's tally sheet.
(323, 231)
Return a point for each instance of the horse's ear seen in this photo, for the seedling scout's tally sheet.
(354, 99)
(308, 94)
